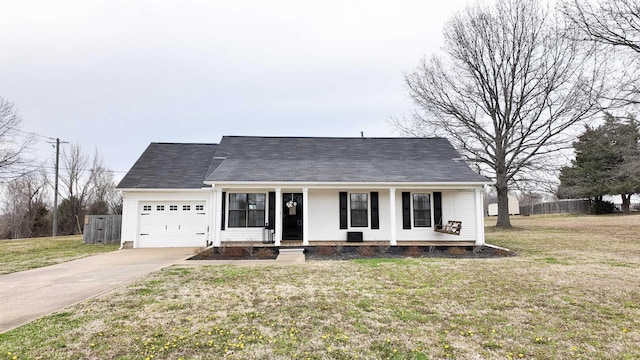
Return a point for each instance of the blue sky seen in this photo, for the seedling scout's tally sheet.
(116, 75)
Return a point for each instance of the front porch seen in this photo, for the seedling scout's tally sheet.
(331, 215)
(299, 243)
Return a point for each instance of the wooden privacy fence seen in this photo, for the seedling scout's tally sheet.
(102, 229)
(557, 207)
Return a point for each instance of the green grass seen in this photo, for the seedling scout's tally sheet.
(571, 293)
(25, 254)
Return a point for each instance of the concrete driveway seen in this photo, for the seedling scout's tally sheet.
(28, 295)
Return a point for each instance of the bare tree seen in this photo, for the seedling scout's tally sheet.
(506, 92)
(105, 200)
(12, 142)
(24, 207)
(616, 26)
(614, 23)
(87, 187)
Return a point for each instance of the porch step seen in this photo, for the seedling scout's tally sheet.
(291, 251)
(294, 256)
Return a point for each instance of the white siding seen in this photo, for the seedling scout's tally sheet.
(242, 234)
(131, 206)
(456, 205)
(129, 218)
(324, 216)
(461, 206)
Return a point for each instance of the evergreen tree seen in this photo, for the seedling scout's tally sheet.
(606, 162)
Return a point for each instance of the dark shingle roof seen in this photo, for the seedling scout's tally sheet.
(306, 159)
(170, 166)
(299, 159)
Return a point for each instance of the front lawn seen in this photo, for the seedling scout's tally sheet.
(25, 254)
(571, 293)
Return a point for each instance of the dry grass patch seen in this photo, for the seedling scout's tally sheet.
(578, 306)
(572, 238)
(25, 254)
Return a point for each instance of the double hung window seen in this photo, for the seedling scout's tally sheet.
(246, 210)
(359, 208)
(421, 210)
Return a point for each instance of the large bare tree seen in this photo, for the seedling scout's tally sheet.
(13, 142)
(507, 89)
(87, 187)
(616, 26)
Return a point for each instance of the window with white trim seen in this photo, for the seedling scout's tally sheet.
(421, 210)
(160, 208)
(247, 210)
(146, 208)
(186, 207)
(173, 207)
(199, 207)
(359, 210)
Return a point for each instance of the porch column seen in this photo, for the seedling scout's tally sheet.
(305, 216)
(479, 217)
(217, 216)
(392, 213)
(278, 224)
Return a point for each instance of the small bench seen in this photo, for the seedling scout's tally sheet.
(453, 227)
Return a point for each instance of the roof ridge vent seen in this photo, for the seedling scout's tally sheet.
(219, 158)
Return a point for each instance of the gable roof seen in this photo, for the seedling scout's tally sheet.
(316, 159)
(299, 159)
(170, 166)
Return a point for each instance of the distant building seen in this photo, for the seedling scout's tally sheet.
(514, 206)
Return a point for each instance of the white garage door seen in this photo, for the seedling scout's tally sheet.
(173, 224)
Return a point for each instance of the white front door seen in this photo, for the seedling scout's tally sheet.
(172, 224)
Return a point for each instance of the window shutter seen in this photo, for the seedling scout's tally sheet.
(272, 210)
(224, 210)
(406, 210)
(375, 219)
(343, 210)
(437, 209)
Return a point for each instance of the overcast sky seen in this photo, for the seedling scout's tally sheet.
(116, 75)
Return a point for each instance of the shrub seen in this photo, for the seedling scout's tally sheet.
(207, 253)
(413, 251)
(383, 249)
(327, 250)
(366, 251)
(456, 250)
(233, 253)
(265, 253)
(601, 207)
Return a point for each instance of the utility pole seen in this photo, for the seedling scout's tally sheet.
(55, 196)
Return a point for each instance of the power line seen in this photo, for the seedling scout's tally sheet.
(33, 134)
(34, 166)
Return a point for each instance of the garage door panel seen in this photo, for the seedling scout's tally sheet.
(172, 224)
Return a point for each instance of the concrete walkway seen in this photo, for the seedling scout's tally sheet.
(28, 295)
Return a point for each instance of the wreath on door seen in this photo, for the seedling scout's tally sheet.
(292, 204)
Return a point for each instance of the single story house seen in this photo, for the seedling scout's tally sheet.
(301, 191)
